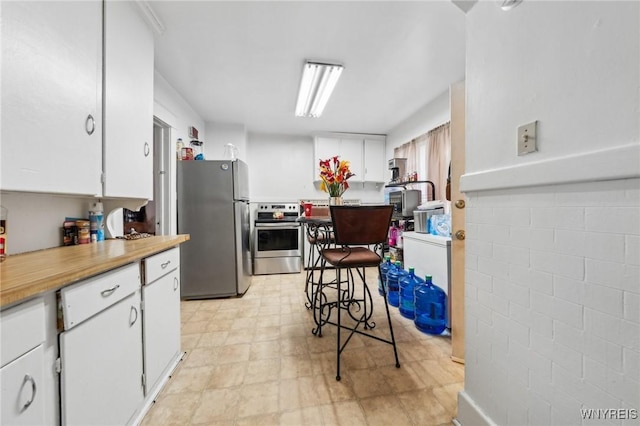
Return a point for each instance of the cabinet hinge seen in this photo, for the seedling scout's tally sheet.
(58, 365)
(142, 305)
(103, 177)
(144, 380)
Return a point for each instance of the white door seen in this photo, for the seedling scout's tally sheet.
(51, 97)
(161, 324)
(101, 377)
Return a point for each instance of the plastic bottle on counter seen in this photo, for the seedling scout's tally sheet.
(179, 146)
(393, 232)
(96, 222)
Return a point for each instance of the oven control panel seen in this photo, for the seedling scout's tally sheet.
(272, 207)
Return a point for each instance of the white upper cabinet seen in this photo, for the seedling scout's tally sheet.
(374, 161)
(51, 97)
(365, 154)
(128, 104)
(351, 150)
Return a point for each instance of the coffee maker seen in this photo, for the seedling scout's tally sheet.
(398, 169)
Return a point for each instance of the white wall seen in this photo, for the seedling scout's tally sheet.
(220, 134)
(171, 107)
(184, 116)
(552, 292)
(35, 220)
(282, 168)
(431, 115)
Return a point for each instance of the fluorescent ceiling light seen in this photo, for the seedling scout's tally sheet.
(318, 81)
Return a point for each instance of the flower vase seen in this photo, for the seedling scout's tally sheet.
(335, 201)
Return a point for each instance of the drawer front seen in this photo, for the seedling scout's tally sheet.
(161, 264)
(23, 394)
(21, 329)
(85, 299)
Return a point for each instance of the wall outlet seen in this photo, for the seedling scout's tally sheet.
(527, 138)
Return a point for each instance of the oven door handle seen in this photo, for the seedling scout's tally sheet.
(278, 225)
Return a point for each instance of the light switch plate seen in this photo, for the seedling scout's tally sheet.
(527, 138)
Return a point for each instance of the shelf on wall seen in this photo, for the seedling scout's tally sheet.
(389, 185)
(404, 185)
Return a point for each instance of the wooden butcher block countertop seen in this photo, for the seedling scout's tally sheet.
(28, 274)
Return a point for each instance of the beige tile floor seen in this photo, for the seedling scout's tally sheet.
(253, 361)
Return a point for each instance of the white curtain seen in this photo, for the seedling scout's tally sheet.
(429, 155)
(439, 158)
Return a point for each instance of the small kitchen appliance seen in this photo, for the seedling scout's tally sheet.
(398, 168)
(405, 201)
(423, 213)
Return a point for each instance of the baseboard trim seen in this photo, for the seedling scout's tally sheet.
(620, 162)
(150, 399)
(469, 413)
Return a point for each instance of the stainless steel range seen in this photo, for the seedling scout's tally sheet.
(277, 244)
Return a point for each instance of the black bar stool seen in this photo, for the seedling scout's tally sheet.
(354, 227)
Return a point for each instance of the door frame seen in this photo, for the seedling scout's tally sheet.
(163, 184)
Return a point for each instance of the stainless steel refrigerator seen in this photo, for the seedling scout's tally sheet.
(213, 208)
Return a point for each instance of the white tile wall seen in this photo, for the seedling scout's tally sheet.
(553, 301)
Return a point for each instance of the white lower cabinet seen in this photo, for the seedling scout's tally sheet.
(22, 333)
(161, 327)
(101, 357)
(161, 317)
(21, 403)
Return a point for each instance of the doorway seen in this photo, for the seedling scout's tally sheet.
(160, 207)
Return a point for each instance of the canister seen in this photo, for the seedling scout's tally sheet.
(84, 231)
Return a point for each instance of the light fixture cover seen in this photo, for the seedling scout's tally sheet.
(318, 81)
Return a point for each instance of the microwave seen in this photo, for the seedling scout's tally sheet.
(405, 201)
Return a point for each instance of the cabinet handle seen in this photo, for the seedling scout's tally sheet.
(91, 129)
(109, 291)
(28, 378)
(165, 264)
(134, 310)
(175, 283)
(147, 150)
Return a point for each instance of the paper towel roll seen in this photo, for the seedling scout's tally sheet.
(114, 223)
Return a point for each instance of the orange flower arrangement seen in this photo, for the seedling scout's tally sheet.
(334, 174)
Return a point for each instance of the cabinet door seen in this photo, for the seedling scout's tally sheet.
(161, 326)
(374, 161)
(22, 401)
(325, 148)
(351, 150)
(101, 377)
(51, 97)
(128, 145)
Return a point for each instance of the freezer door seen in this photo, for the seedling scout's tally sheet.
(240, 180)
(243, 246)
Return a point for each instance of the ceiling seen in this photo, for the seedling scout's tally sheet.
(240, 62)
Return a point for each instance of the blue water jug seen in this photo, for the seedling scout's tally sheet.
(393, 284)
(430, 308)
(408, 284)
(384, 269)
